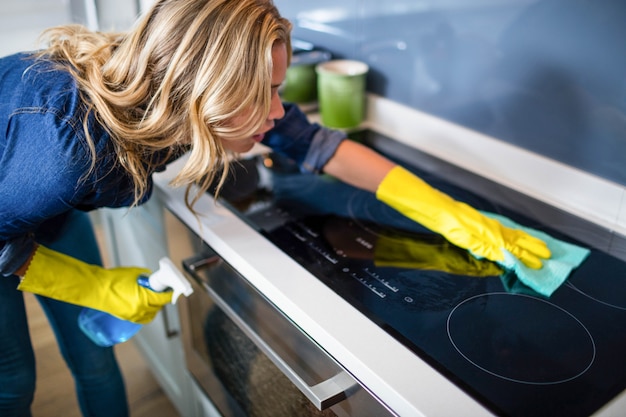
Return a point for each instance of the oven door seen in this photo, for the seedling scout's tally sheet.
(246, 356)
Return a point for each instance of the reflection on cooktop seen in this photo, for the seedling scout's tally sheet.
(518, 353)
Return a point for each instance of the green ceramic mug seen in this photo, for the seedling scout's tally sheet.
(341, 92)
(300, 85)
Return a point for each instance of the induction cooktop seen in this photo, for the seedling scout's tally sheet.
(513, 350)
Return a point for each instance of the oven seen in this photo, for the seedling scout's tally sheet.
(245, 357)
(502, 346)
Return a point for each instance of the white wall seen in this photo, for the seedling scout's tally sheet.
(22, 21)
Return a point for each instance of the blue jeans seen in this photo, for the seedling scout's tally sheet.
(99, 384)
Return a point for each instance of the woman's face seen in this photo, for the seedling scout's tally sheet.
(279, 59)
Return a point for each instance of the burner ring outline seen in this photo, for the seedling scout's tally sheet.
(597, 300)
(482, 368)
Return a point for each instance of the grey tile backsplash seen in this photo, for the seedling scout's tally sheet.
(546, 75)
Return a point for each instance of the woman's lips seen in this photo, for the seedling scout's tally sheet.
(258, 137)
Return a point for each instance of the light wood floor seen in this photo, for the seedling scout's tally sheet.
(55, 387)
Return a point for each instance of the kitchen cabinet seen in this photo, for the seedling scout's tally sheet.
(136, 238)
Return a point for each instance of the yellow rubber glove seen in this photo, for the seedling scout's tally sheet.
(434, 255)
(115, 291)
(456, 221)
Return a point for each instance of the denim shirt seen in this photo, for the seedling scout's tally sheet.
(45, 160)
(310, 145)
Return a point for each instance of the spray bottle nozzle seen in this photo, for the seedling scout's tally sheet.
(168, 276)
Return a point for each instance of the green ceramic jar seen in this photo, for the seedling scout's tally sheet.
(300, 85)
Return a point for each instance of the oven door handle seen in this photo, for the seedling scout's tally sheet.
(324, 394)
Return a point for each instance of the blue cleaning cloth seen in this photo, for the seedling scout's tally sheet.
(565, 258)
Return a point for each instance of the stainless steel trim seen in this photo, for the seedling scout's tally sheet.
(324, 394)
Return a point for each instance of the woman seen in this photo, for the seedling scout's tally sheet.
(87, 122)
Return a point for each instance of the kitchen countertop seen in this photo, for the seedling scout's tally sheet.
(401, 380)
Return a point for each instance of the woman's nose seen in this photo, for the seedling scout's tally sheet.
(277, 111)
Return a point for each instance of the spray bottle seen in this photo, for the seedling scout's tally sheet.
(107, 330)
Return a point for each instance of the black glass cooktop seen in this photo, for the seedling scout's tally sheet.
(515, 351)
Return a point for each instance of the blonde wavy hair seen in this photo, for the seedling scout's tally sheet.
(176, 81)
